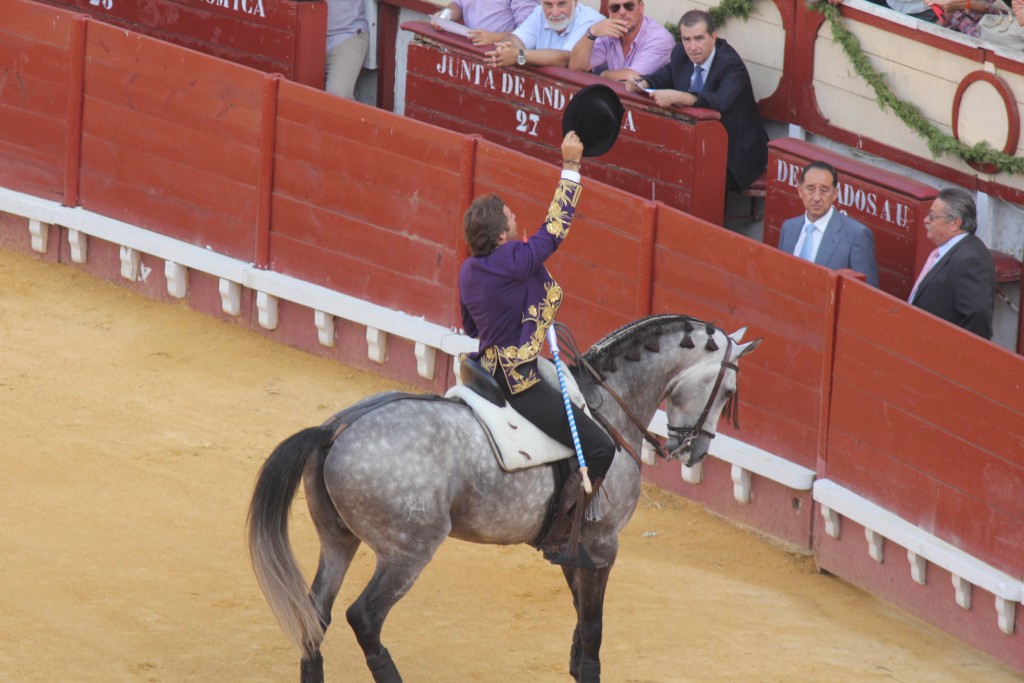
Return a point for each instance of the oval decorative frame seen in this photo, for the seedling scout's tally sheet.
(1012, 114)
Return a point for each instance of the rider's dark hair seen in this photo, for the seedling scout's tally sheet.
(483, 223)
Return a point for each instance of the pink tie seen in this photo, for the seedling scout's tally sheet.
(932, 258)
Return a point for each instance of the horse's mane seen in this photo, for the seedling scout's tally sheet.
(624, 340)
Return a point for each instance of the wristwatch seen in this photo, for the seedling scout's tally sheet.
(521, 59)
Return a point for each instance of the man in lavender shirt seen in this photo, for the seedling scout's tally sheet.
(488, 20)
(624, 46)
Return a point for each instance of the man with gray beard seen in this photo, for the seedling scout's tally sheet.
(547, 36)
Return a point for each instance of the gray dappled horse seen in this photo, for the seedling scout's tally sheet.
(406, 475)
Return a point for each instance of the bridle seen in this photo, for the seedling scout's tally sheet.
(687, 435)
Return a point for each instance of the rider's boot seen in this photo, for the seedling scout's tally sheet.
(562, 544)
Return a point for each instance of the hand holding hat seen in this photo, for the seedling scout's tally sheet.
(595, 114)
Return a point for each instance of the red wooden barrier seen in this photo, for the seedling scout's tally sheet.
(367, 205)
(37, 42)
(927, 422)
(676, 157)
(942, 447)
(171, 140)
(282, 36)
(891, 205)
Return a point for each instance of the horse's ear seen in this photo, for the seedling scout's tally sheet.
(737, 336)
(744, 349)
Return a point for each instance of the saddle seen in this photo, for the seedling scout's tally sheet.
(517, 442)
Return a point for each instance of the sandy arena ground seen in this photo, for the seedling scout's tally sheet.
(132, 432)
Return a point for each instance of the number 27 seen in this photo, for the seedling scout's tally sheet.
(527, 122)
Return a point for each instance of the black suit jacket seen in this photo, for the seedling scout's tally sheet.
(727, 90)
(961, 287)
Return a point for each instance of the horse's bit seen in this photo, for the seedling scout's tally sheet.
(687, 435)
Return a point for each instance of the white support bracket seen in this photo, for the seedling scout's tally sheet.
(130, 260)
(39, 232)
(79, 243)
(266, 307)
(740, 484)
(426, 356)
(230, 297)
(876, 544)
(177, 279)
(692, 475)
(1006, 610)
(324, 327)
(918, 567)
(831, 521)
(963, 591)
(649, 457)
(376, 344)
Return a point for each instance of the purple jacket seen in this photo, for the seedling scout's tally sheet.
(509, 299)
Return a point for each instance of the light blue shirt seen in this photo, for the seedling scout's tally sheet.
(949, 245)
(819, 231)
(537, 35)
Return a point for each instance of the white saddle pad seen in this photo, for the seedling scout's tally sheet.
(520, 444)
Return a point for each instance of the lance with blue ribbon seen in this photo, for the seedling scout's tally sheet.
(553, 343)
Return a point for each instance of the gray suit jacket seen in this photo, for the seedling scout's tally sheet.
(845, 244)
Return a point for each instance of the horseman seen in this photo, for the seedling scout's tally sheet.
(508, 301)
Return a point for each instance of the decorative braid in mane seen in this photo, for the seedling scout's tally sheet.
(626, 340)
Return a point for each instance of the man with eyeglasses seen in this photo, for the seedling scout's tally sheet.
(705, 71)
(958, 281)
(547, 35)
(625, 45)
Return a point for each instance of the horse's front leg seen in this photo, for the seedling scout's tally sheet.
(574, 653)
(589, 598)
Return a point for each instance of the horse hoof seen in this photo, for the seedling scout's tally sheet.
(312, 669)
(383, 668)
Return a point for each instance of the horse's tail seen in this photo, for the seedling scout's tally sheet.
(270, 551)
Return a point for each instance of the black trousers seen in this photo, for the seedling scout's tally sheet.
(542, 405)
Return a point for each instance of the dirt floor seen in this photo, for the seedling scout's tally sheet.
(131, 434)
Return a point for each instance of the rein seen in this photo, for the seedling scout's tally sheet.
(686, 435)
(570, 342)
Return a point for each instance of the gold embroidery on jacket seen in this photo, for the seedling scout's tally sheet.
(566, 194)
(511, 357)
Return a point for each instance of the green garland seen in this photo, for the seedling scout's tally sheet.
(938, 142)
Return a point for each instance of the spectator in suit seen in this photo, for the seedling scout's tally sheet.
(958, 281)
(348, 41)
(823, 235)
(547, 36)
(705, 71)
(624, 46)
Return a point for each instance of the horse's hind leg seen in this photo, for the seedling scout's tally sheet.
(391, 581)
(338, 546)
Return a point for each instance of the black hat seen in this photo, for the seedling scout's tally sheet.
(595, 113)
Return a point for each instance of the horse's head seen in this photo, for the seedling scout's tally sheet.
(697, 394)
